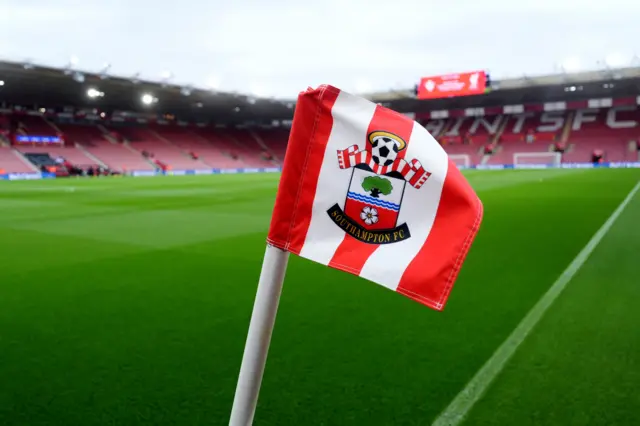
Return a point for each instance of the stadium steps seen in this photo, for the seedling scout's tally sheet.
(209, 144)
(261, 143)
(90, 155)
(35, 124)
(487, 158)
(24, 160)
(442, 131)
(168, 141)
(52, 124)
(128, 146)
(447, 126)
(246, 154)
(242, 148)
(501, 129)
(634, 149)
(107, 134)
(219, 143)
(566, 131)
(434, 130)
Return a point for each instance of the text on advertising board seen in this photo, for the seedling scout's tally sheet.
(443, 86)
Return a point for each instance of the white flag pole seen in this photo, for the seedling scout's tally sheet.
(263, 318)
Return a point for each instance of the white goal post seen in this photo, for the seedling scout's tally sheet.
(461, 160)
(533, 159)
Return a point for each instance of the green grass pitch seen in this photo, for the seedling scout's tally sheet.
(127, 301)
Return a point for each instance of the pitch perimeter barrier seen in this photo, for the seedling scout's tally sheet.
(617, 165)
(27, 176)
(149, 173)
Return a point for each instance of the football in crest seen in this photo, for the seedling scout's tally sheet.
(384, 149)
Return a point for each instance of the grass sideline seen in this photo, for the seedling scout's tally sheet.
(126, 301)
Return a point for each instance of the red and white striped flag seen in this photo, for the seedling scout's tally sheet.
(369, 191)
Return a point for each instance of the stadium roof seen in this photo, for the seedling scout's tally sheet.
(527, 82)
(624, 82)
(37, 86)
(40, 86)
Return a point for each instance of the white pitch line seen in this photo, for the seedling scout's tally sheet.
(455, 413)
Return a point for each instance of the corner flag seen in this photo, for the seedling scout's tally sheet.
(368, 191)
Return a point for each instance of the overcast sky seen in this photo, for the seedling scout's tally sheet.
(279, 47)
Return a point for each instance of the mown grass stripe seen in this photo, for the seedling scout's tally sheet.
(458, 409)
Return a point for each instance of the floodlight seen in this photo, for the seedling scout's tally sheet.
(73, 60)
(148, 99)
(94, 93)
(1, 83)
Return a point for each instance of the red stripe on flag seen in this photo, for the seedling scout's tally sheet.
(352, 254)
(302, 163)
(430, 276)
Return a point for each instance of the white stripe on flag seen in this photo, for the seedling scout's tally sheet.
(419, 206)
(351, 118)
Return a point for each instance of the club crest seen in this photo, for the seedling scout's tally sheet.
(379, 178)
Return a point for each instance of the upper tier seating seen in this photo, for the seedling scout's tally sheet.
(35, 125)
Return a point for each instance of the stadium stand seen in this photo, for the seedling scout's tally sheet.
(85, 135)
(70, 153)
(188, 141)
(613, 131)
(119, 157)
(594, 120)
(238, 144)
(275, 140)
(36, 125)
(249, 147)
(466, 136)
(11, 161)
(527, 133)
(149, 144)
